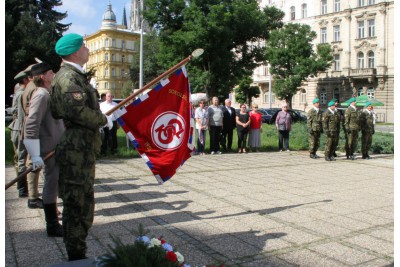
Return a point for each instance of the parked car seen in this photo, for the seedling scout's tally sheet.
(297, 116)
(267, 114)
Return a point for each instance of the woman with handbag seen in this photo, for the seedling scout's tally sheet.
(283, 124)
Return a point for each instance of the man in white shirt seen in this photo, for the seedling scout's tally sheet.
(110, 133)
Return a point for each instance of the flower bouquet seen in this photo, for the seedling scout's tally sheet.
(146, 252)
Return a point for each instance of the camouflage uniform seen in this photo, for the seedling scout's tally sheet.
(340, 119)
(352, 126)
(367, 130)
(75, 101)
(331, 128)
(314, 126)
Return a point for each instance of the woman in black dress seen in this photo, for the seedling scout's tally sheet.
(242, 127)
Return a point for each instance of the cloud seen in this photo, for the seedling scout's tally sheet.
(79, 8)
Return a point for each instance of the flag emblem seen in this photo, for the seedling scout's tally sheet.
(168, 130)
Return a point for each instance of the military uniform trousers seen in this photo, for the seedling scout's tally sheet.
(313, 141)
(352, 140)
(76, 182)
(366, 141)
(331, 143)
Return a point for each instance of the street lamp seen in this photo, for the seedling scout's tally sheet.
(141, 56)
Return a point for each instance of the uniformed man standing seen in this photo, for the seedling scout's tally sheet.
(367, 130)
(314, 126)
(16, 127)
(76, 102)
(352, 125)
(340, 119)
(331, 128)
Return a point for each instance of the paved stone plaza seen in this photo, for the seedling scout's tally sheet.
(257, 209)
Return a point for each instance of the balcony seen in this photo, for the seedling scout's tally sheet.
(367, 73)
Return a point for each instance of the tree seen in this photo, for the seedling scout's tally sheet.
(32, 29)
(231, 32)
(245, 92)
(290, 52)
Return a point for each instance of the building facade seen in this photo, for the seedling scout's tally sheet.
(361, 36)
(111, 53)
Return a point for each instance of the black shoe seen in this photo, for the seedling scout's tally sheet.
(35, 203)
(316, 156)
(76, 257)
(312, 156)
(352, 157)
(334, 154)
(367, 157)
(53, 227)
(333, 158)
(328, 159)
(22, 193)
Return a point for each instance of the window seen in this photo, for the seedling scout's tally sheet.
(114, 43)
(106, 72)
(337, 6)
(105, 85)
(292, 13)
(360, 2)
(360, 91)
(322, 97)
(303, 96)
(266, 97)
(371, 27)
(304, 11)
(371, 59)
(123, 58)
(113, 72)
(371, 93)
(360, 60)
(324, 7)
(106, 43)
(336, 63)
(323, 35)
(371, 2)
(112, 57)
(106, 57)
(123, 44)
(360, 29)
(336, 33)
(123, 72)
(336, 94)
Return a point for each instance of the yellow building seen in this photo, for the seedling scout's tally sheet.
(111, 53)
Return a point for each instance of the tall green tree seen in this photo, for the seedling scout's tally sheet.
(32, 28)
(231, 32)
(290, 52)
(245, 91)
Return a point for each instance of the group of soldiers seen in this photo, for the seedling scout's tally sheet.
(59, 113)
(331, 120)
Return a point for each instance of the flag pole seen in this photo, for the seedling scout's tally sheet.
(196, 53)
(8, 185)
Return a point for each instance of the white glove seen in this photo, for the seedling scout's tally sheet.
(33, 148)
(109, 122)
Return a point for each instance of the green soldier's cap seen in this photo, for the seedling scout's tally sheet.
(316, 100)
(368, 104)
(68, 44)
(40, 68)
(331, 103)
(20, 75)
(351, 100)
(335, 100)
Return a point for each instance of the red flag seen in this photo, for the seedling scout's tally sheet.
(160, 125)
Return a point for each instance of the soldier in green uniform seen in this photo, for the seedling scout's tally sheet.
(367, 130)
(340, 119)
(352, 125)
(314, 126)
(331, 128)
(76, 102)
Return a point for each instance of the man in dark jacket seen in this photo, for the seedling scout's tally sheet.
(229, 125)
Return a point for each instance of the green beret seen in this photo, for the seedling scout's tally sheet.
(331, 103)
(335, 100)
(368, 104)
(352, 100)
(316, 100)
(68, 44)
(20, 75)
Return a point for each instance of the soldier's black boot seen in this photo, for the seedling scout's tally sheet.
(328, 158)
(334, 154)
(333, 158)
(312, 156)
(53, 227)
(75, 256)
(22, 186)
(367, 156)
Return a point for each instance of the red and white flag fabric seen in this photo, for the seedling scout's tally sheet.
(160, 125)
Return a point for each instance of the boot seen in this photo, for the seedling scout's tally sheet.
(367, 156)
(35, 203)
(328, 158)
(76, 256)
(333, 158)
(33, 184)
(53, 228)
(312, 156)
(22, 187)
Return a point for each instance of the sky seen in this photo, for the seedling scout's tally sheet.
(86, 15)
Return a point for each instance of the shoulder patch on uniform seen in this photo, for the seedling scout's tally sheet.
(77, 96)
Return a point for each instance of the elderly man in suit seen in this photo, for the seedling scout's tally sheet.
(229, 125)
(42, 133)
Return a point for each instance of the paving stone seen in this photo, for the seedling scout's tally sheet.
(306, 258)
(371, 243)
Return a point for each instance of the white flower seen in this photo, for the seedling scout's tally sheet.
(154, 242)
(144, 239)
(167, 247)
(180, 257)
